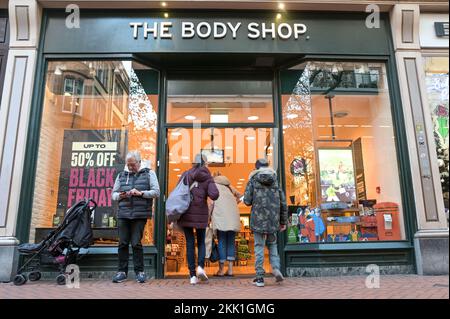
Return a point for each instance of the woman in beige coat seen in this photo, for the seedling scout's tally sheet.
(226, 221)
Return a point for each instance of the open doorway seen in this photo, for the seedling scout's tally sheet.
(231, 152)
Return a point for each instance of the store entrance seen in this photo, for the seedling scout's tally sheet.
(231, 152)
(229, 119)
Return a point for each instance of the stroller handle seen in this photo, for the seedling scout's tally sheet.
(90, 200)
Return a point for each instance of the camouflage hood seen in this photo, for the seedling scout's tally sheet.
(268, 202)
(265, 175)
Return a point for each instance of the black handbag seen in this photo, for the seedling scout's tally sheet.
(214, 257)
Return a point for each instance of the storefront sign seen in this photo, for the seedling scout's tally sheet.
(441, 29)
(433, 30)
(240, 32)
(217, 30)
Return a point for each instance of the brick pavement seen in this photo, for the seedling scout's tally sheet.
(346, 287)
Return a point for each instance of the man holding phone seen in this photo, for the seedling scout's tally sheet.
(134, 189)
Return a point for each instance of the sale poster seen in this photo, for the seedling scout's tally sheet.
(90, 162)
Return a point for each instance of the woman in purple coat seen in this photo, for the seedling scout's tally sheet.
(203, 186)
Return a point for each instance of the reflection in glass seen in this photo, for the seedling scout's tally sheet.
(219, 101)
(436, 81)
(94, 113)
(342, 176)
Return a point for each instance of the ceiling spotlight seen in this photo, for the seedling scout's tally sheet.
(281, 6)
(166, 15)
(163, 4)
(253, 118)
(278, 16)
(190, 117)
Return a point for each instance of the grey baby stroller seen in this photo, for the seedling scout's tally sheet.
(60, 247)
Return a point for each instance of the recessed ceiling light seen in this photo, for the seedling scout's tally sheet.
(250, 138)
(242, 179)
(175, 134)
(253, 118)
(177, 169)
(291, 116)
(190, 117)
(218, 118)
(228, 147)
(281, 6)
(163, 4)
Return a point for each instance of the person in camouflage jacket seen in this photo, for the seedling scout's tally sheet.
(268, 216)
(269, 209)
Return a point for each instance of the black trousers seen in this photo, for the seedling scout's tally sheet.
(131, 230)
(190, 248)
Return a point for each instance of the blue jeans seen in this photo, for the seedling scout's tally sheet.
(226, 245)
(269, 240)
(190, 248)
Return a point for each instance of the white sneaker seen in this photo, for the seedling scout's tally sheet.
(201, 274)
(194, 280)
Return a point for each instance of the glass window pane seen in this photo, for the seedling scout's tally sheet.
(436, 80)
(82, 151)
(342, 177)
(219, 101)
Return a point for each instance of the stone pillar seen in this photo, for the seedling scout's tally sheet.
(25, 22)
(431, 239)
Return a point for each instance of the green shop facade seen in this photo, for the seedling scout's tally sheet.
(322, 86)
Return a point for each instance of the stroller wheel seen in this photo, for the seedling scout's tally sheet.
(19, 280)
(61, 279)
(34, 276)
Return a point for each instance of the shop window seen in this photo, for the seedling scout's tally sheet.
(342, 177)
(219, 101)
(436, 80)
(82, 150)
